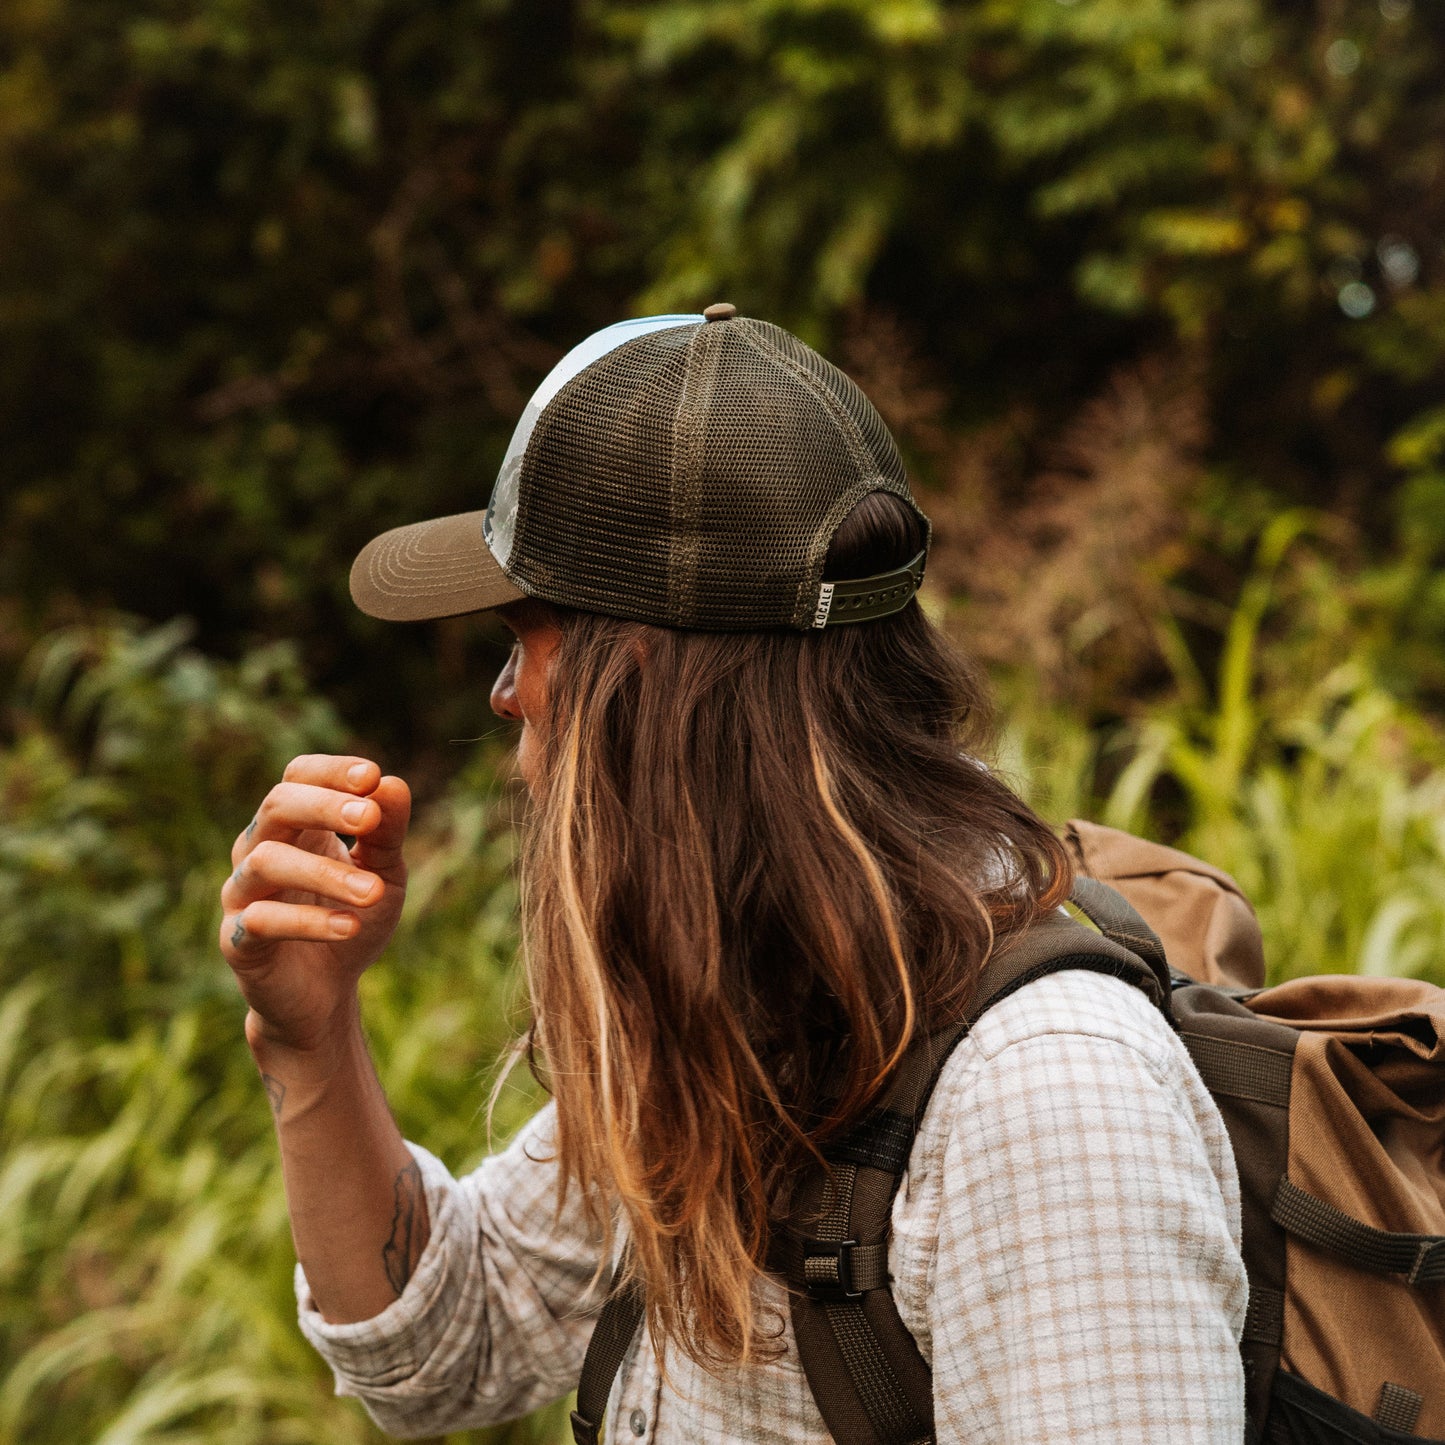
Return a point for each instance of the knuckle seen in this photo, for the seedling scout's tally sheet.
(233, 934)
(338, 879)
(266, 856)
(275, 800)
(246, 930)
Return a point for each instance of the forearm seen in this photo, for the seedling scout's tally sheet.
(358, 1213)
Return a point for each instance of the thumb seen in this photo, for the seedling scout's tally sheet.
(380, 849)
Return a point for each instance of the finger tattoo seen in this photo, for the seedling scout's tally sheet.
(251, 826)
(238, 934)
(399, 1253)
(275, 1091)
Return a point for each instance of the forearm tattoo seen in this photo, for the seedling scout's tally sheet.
(398, 1254)
(275, 1091)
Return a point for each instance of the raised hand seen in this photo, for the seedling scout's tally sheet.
(303, 918)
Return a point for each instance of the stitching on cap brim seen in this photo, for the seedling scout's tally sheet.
(440, 568)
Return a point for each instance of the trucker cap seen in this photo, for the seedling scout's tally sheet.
(686, 470)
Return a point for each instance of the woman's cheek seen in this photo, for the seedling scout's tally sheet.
(527, 753)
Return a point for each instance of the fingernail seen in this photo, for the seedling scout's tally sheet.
(357, 775)
(353, 812)
(358, 884)
(342, 923)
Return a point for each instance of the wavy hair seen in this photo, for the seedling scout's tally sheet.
(756, 865)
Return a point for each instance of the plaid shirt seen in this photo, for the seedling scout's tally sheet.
(1065, 1250)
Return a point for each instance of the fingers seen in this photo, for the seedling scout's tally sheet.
(291, 809)
(324, 770)
(257, 927)
(291, 848)
(341, 774)
(273, 867)
(380, 848)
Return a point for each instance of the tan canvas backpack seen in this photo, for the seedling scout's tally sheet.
(1333, 1092)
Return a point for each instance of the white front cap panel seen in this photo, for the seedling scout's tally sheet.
(501, 520)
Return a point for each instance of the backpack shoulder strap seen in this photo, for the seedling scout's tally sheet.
(870, 1382)
(606, 1349)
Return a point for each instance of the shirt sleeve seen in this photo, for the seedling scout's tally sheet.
(1088, 1284)
(495, 1319)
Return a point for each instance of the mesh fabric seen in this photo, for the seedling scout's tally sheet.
(695, 477)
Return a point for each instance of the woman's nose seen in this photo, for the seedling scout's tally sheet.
(504, 691)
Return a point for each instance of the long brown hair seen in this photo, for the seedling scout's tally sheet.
(757, 864)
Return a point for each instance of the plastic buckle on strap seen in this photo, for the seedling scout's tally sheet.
(828, 1270)
(584, 1432)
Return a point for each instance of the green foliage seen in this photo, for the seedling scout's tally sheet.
(1298, 772)
(1152, 290)
(274, 276)
(145, 1278)
(145, 1271)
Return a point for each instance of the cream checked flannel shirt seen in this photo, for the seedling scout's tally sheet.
(1065, 1251)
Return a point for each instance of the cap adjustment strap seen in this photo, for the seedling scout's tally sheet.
(864, 598)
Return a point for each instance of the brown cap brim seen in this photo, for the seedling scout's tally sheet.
(440, 568)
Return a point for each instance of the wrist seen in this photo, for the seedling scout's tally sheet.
(315, 1058)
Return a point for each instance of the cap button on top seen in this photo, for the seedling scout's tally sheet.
(719, 311)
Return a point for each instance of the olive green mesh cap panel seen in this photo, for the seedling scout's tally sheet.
(695, 477)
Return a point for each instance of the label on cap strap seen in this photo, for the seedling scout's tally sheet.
(825, 605)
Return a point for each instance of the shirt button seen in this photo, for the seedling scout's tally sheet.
(638, 1421)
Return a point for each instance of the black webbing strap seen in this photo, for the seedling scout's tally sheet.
(882, 1138)
(1241, 1071)
(1120, 922)
(1398, 1408)
(611, 1337)
(1419, 1257)
(1264, 1316)
(870, 1383)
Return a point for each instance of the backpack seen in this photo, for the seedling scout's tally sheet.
(1332, 1089)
